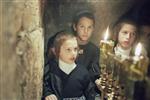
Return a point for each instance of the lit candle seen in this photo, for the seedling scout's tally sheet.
(106, 35)
(138, 52)
(105, 44)
(106, 47)
(138, 67)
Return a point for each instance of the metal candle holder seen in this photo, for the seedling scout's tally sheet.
(134, 67)
(109, 87)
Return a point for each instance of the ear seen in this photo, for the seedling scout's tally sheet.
(74, 27)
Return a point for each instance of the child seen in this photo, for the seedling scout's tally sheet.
(126, 35)
(83, 26)
(126, 32)
(63, 78)
(126, 38)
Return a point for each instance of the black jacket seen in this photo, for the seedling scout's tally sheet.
(76, 84)
(89, 58)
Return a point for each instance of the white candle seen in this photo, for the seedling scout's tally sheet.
(106, 44)
(138, 52)
(138, 49)
(106, 34)
(105, 40)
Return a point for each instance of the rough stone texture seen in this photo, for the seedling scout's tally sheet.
(21, 55)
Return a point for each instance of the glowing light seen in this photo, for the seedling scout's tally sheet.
(138, 49)
(106, 34)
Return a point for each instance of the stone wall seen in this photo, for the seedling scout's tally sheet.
(21, 52)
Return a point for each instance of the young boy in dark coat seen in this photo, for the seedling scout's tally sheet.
(63, 78)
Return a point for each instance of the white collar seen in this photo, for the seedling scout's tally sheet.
(65, 67)
(124, 54)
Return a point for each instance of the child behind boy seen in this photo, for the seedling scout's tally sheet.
(63, 78)
(83, 27)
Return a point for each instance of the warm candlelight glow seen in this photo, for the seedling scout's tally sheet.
(138, 49)
(106, 35)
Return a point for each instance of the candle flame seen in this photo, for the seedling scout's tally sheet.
(106, 35)
(138, 49)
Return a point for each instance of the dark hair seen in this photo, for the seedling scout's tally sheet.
(81, 14)
(60, 39)
(117, 27)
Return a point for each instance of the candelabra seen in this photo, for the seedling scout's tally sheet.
(113, 68)
(108, 84)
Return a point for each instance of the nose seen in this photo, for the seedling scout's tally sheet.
(85, 30)
(128, 35)
(73, 52)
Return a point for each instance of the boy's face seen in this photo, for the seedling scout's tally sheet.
(126, 36)
(69, 50)
(84, 28)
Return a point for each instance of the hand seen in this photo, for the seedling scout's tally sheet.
(51, 97)
(97, 82)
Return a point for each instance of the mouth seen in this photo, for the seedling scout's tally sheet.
(85, 36)
(72, 59)
(126, 42)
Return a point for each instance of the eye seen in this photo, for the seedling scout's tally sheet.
(133, 34)
(81, 26)
(68, 50)
(90, 27)
(125, 32)
(76, 49)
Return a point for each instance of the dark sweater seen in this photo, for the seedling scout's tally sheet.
(89, 58)
(63, 85)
